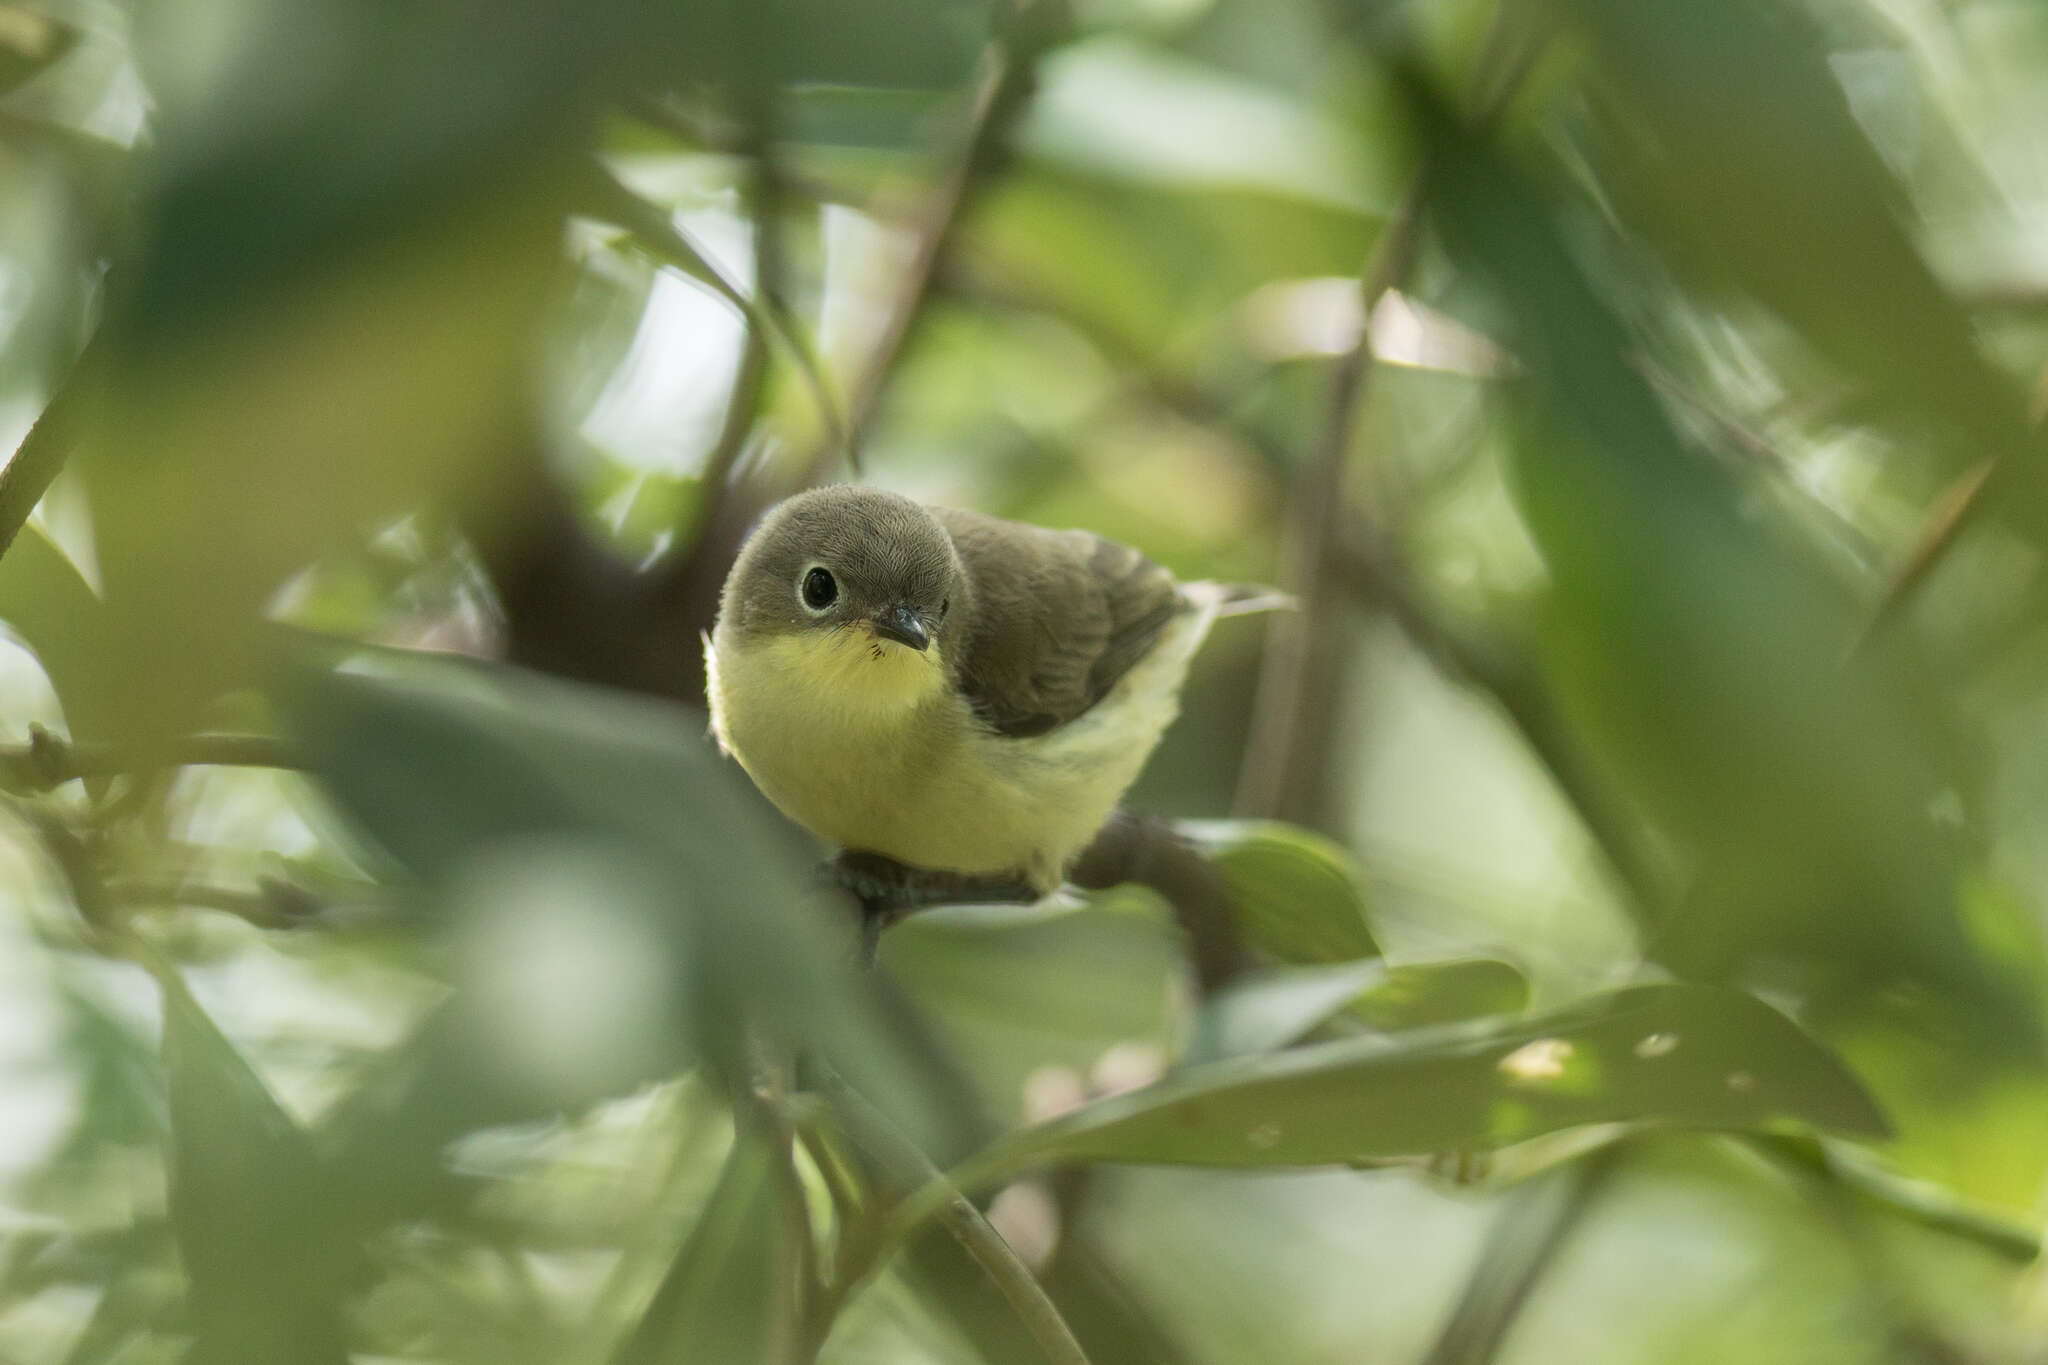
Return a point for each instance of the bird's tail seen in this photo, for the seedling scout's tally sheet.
(1240, 599)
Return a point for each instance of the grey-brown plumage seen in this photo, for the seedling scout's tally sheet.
(1054, 633)
(946, 689)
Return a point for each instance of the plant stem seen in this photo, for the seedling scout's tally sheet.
(903, 1165)
(47, 761)
(1525, 1237)
(933, 229)
(1287, 671)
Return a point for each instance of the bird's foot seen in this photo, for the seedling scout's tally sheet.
(888, 890)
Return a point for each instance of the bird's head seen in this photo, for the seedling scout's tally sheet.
(860, 588)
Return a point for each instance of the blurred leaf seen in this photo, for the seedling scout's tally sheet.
(729, 1296)
(247, 1205)
(1703, 655)
(1297, 895)
(1736, 139)
(47, 603)
(1277, 1008)
(30, 42)
(464, 772)
(1011, 991)
(1144, 268)
(1127, 110)
(1416, 994)
(1274, 1009)
(1696, 1056)
(891, 44)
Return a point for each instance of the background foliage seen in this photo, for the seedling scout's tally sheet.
(1627, 940)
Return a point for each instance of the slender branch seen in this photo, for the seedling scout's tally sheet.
(271, 903)
(766, 312)
(1296, 659)
(41, 455)
(934, 222)
(1524, 1240)
(1286, 672)
(1916, 1201)
(909, 1169)
(48, 761)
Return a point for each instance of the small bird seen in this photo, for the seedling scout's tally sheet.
(955, 700)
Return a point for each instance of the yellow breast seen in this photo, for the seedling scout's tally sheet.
(870, 748)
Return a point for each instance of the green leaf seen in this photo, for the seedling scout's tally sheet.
(1149, 269)
(1011, 991)
(47, 603)
(1761, 176)
(729, 1295)
(1297, 895)
(1133, 111)
(482, 781)
(30, 42)
(1276, 1008)
(265, 1267)
(1697, 1056)
(1704, 661)
(1417, 994)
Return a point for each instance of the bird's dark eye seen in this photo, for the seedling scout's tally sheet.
(819, 591)
(945, 606)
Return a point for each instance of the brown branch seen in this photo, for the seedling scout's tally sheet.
(1144, 851)
(1298, 665)
(1290, 666)
(934, 222)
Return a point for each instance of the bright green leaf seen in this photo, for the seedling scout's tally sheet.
(1297, 895)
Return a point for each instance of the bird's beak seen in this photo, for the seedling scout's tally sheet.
(904, 626)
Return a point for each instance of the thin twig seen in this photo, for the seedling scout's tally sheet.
(933, 230)
(1285, 672)
(48, 761)
(909, 1169)
(1916, 1201)
(766, 312)
(1297, 641)
(1520, 1247)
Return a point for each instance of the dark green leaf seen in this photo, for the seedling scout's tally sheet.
(1690, 1055)
(1705, 657)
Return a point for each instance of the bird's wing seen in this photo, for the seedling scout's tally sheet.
(1066, 615)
